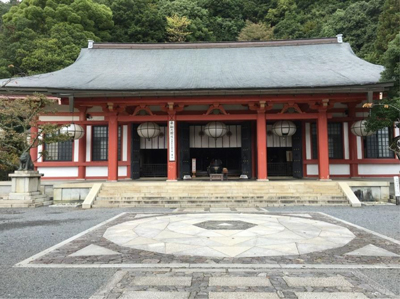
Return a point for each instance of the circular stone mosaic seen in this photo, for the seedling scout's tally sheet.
(229, 235)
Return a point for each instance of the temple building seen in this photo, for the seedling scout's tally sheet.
(263, 109)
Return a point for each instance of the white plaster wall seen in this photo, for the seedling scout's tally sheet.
(94, 118)
(76, 150)
(334, 169)
(102, 171)
(308, 141)
(378, 169)
(88, 143)
(122, 170)
(312, 169)
(93, 171)
(359, 148)
(125, 143)
(39, 156)
(58, 118)
(346, 140)
(339, 169)
(59, 171)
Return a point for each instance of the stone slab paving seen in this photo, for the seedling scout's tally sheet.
(228, 255)
(242, 295)
(273, 240)
(239, 281)
(338, 281)
(154, 295)
(241, 285)
(335, 295)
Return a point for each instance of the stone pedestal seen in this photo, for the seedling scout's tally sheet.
(25, 191)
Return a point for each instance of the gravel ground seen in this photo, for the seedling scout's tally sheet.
(25, 232)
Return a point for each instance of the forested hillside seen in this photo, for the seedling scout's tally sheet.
(40, 36)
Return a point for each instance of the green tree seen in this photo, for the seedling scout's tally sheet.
(358, 23)
(276, 14)
(388, 26)
(42, 36)
(16, 119)
(257, 31)
(290, 27)
(386, 111)
(226, 18)
(137, 21)
(177, 28)
(191, 9)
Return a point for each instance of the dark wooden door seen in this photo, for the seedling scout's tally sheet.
(184, 149)
(297, 152)
(135, 153)
(246, 149)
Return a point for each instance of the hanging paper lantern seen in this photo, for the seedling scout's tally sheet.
(284, 128)
(73, 130)
(215, 129)
(359, 129)
(148, 130)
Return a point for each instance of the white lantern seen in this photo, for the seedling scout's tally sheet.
(215, 129)
(284, 128)
(73, 130)
(359, 129)
(148, 130)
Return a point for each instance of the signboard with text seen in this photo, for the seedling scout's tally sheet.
(194, 165)
(171, 133)
(396, 186)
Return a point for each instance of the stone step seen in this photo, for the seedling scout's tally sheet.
(219, 194)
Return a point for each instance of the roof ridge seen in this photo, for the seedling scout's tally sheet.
(208, 45)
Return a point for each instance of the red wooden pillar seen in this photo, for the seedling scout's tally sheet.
(172, 142)
(353, 144)
(34, 150)
(112, 147)
(82, 147)
(261, 145)
(323, 151)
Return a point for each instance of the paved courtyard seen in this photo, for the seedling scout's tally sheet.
(218, 253)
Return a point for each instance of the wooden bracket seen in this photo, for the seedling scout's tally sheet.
(142, 107)
(322, 105)
(171, 108)
(216, 106)
(290, 105)
(260, 107)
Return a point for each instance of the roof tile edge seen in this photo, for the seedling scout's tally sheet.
(205, 45)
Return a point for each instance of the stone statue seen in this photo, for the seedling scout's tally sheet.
(26, 162)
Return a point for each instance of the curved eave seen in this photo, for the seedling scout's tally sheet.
(377, 87)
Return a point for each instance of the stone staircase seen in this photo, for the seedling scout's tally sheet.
(194, 194)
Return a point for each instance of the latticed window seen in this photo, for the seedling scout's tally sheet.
(377, 145)
(335, 141)
(60, 151)
(100, 143)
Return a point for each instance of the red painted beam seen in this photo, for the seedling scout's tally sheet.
(112, 148)
(195, 100)
(261, 146)
(215, 117)
(294, 116)
(323, 152)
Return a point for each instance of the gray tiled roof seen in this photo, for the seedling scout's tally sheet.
(213, 68)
